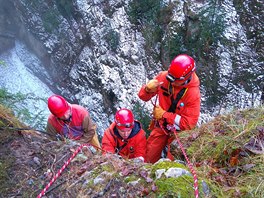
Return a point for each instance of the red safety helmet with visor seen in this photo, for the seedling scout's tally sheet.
(57, 105)
(181, 68)
(124, 119)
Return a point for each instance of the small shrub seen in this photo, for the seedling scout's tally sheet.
(18, 103)
(50, 20)
(112, 38)
(65, 7)
(142, 115)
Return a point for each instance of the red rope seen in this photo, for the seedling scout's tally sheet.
(155, 103)
(196, 191)
(63, 167)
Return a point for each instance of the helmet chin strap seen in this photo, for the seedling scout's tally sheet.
(68, 120)
(187, 81)
(70, 117)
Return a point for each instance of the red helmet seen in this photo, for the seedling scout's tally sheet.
(181, 68)
(57, 105)
(124, 118)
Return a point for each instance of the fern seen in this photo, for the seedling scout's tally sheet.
(18, 103)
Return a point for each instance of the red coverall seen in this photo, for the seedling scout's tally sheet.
(81, 127)
(185, 116)
(134, 146)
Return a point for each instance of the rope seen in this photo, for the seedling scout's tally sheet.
(63, 167)
(196, 191)
(155, 103)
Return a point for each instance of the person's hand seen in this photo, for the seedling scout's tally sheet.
(158, 112)
(138, 160)
(152, 86)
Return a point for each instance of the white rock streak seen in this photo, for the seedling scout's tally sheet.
(15, 78)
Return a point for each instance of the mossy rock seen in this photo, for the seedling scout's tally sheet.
(175, 187)
(166, 165)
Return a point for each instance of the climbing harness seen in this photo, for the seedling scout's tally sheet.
(119, 148)
(172, 129)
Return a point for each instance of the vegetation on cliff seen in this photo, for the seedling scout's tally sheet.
(227, 154)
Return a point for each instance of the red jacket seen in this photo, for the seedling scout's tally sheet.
(81, 127)
(188, 108)
(133, 147)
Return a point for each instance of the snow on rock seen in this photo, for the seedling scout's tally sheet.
(15, 77)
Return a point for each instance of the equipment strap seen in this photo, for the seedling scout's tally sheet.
(175, 101)
(118, 148)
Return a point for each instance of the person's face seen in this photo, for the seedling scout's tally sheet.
(178, 82)
(124, 133)
(67, 115)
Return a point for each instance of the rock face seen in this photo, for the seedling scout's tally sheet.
(7, 30)
(93, 55)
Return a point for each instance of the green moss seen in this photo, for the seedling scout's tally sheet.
(131, 178)
(2, 124)
(3, 173)
(5, 183)
(95, 172)
(108, 167)
(176, 187)
(90, 184)
(221, 139)
(225, 134)
(105, 167)
(184, 187)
